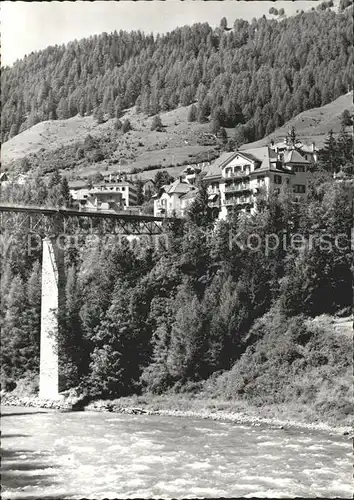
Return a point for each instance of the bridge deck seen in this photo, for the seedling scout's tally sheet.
(104, 214)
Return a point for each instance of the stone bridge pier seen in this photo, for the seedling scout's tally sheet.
(52, 284)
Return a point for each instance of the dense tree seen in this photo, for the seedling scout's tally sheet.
(156, 123)
(162, 177)
(126, 126)
(139, 192)
(346, 118)
(192, 113)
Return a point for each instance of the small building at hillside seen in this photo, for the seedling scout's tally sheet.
(3, 177)
(126, 188)
(148, 186)
(190, 173)
(308, 151)
(94, 201)
(172, 200)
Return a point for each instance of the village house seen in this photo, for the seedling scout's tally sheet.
(103, 200)
(3, 177)
(190, 173)
(172, 200)
(126, 188)
(148, 187)
(105, 195)
(78, 190)
(6, 179)
(308, 151)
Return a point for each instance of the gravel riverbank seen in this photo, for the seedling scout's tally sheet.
(243, 417)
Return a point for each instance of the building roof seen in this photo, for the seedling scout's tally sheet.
(215, 168)
(293, 156)
(178, 187)
(264, 157)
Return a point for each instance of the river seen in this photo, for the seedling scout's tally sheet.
(49, 454)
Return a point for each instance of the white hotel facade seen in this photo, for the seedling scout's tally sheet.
(235, 178)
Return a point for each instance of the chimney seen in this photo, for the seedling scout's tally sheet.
(313, 147)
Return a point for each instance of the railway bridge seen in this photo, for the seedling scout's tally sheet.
(45, 226)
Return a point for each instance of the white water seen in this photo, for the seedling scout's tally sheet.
(50, 454)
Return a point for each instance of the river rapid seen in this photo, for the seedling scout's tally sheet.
(50, 454)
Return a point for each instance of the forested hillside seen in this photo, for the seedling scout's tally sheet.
(254, 77)
(136, 318)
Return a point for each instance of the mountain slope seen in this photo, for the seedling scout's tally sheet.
(312, 125)
(259, 74)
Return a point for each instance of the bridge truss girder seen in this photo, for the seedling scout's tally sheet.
(56, 223)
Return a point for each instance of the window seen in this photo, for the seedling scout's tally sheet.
(246, 169)
(299, 188)
(277, 179)
(123, 188)
(260, 180)
(299, 168)
(228, 172)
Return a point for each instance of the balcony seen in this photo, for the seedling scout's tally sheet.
(238, 201)
(238, 174)
(237, 187)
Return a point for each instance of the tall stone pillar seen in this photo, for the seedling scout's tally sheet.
(49, 356)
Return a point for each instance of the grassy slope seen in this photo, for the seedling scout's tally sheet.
(140, 148)
(313, 124)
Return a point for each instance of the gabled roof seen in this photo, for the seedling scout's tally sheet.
(178, 187)
(261, 156)
(215, 168)
(293, 156)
